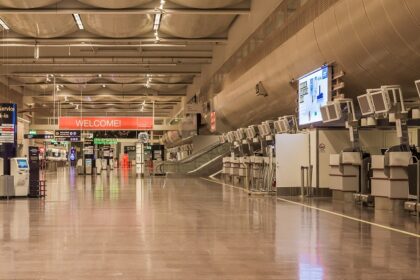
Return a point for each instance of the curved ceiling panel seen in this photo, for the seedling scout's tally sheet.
(206, 4)
(169, 80)
(41, 26)
(27, 4)
(41, 88)
(78, 80)
(118, 26)
(125, 88)
(30, 80)
(115, 4)
(83, 88)
(122, 80)
(195, 26)
(167, 88)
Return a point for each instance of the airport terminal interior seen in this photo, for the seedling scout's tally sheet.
(210, 139)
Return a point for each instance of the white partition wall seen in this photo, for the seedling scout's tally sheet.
(292, 152)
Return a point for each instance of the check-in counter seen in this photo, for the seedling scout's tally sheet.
(234, 167)
(257, 163)
(244, 163)
(226, 166)
(390, 175)
(345, 171)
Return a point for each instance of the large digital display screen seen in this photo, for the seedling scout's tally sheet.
(314, 92)
(22, 163)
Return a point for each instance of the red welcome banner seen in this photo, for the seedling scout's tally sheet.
(106, 123)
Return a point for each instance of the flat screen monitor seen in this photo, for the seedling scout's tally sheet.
(324, 113)
(283, 125)
(418, 86)
(365, 104)
(22, 163)
(380, 102)
(314, 92)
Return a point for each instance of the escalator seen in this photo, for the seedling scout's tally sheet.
(204, 163)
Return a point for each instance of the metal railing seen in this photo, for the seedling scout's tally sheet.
(197, 161)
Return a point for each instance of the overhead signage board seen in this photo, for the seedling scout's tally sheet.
(106, 123)
(8, 121)
(68, 139)
(193, 108)
(39, 136)
(67, 133)
(314, 92)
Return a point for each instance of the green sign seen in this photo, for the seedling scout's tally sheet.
(104, 141)
(32, 132)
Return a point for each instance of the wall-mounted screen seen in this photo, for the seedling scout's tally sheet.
(22, 163)
(314, 92)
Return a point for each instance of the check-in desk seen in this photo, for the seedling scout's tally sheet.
(244, 171)
(234, 167)
(345, 171)
(390, 180)
(390, 175)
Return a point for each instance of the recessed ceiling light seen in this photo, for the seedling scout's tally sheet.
(104, 86)
(156, 22)
(4, 25)
(78, 21)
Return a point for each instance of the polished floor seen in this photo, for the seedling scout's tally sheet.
(120, 227)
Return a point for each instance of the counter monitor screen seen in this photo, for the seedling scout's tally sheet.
(365, 105)
(418, 86)
(324, 113)
(380, 102)
(314, 92)
(22, 163)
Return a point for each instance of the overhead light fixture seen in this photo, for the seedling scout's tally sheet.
(36, 52)
(4, 25)
(99, 75)
(157, 20)
(78, 21)
(104, 86)
(77, 106)
(65, 98)
(162, 3)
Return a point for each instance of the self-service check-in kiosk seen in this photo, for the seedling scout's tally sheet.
(34, 165)
(19, 169)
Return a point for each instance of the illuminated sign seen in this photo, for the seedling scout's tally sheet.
(106, 123)
(104, 141)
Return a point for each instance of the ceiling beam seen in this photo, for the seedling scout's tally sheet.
(149, 42)
(103, 72)
(132, 11)
(100, 84)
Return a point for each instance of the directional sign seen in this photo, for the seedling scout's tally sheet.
(67, 133)
(38, 136)
(68, 139)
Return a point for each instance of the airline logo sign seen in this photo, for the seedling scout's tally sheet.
(106, 123)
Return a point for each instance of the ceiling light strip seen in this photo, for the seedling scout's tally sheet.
(4, 25)
(78, 21)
